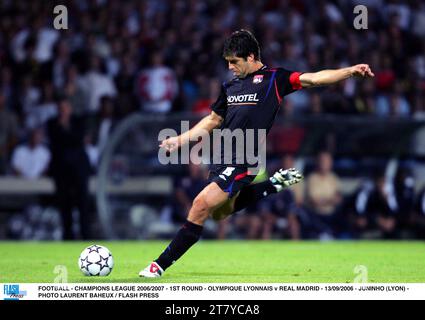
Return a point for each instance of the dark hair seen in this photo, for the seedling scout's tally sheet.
(241, 44)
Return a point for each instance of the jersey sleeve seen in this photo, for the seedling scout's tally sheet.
(287, 81)
(220, 106)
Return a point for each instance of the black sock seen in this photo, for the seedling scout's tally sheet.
(253, 193)
(187, 236)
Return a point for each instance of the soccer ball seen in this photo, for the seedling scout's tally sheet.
(96, 261)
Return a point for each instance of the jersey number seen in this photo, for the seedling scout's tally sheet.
(228, 171)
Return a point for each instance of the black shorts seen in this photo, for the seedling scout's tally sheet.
(230, 179)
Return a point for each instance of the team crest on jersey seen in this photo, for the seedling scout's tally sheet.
(258, 78)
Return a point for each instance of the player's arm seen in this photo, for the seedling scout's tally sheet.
(205, 126)
(328, 77)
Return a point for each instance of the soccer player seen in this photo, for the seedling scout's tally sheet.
(249, 101)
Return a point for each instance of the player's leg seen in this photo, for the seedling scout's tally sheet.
(252, 193)
(211, 197)
(219, 199)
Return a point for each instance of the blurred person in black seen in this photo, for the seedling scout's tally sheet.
(70, 168)
(417, 219)
(382, 210)
(411, 206)
(360, 222)
(279, 216)
(105, 122)
(8, 133)
(247, 224)
(404, 189)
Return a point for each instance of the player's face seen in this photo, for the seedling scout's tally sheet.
(239, 66)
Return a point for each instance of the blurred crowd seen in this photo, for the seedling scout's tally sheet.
(163, 56)
(63, 91)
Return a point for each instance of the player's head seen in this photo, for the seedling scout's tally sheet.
(241, 50)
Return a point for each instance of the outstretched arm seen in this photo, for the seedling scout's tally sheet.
(206, 125)
(327, 77)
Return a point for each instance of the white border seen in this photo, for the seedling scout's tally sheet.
(219, 291)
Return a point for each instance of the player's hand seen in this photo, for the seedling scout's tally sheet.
(362, 70)
(171, 144)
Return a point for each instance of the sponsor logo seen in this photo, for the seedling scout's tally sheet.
(258, 78)
(243, 98)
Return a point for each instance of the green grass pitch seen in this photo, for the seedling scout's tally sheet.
(223, 261)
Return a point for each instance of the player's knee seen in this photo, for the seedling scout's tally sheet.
(200, 208)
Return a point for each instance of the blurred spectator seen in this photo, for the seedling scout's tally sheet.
(248, 223)
(395, 104)
(70, 169)
(364, 102)
(8, 133)
(7, 87)
(37, 115)
(404, 190)
(98, 136)
(382, 209)
(384, 75)
(288, 161)
(400, 12)
(96, 84)
(29, 94)
(359, 220)
(156, 86)
(417, 219)
(92, 151)
(75, 91)
(323, 197)
(124, 81)
(105, 122)
(42, 40)
(31, 160)
(278, 215)
(28, 65)
(418, 17)
(419, 108)
(55, 70)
